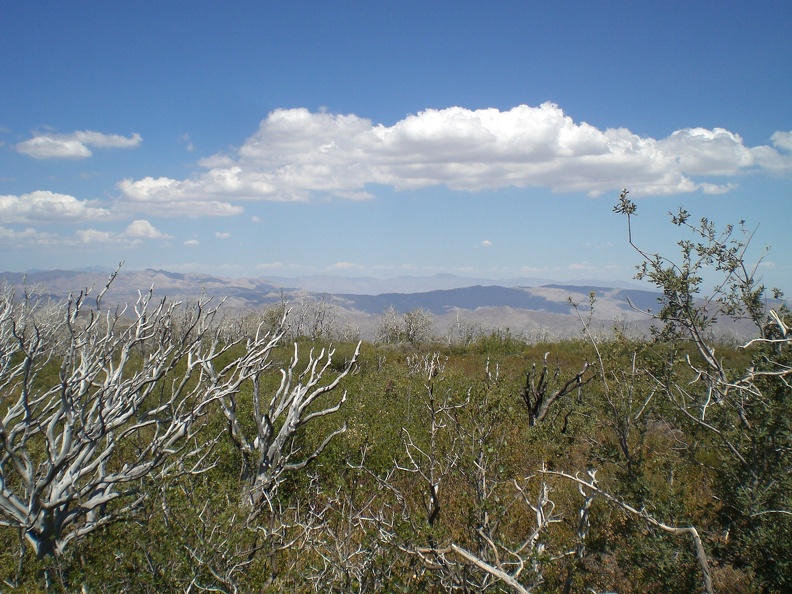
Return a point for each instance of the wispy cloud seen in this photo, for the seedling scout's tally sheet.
(74, 145)
(284, 267)
(187, 142)
(345, 267)
(296, 153)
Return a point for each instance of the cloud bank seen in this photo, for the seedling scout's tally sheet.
(296, 154)
(136, 233)
(74, 145)
(47, 208)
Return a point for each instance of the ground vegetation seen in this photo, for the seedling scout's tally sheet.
(168, 448)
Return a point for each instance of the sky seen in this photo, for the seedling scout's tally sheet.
(359, 138)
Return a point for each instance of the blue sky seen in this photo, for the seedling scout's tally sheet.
(386, 139)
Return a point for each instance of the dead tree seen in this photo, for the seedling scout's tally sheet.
(432, 463)
(540, 393)
(270, 454)
(95, 402)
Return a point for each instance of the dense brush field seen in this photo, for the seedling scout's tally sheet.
(441, 450)
(166, 448)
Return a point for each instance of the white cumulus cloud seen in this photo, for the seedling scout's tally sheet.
(134, 233)
(95, 236)
(296, 153)
(142, 229)
(169, 197)
(27, 237)
(782, 140)
(74, 145)
(45, 206)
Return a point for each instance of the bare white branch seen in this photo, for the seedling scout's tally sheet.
(95, 401)
(701, 554)
(270, 453)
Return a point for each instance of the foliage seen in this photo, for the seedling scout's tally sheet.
(738, 419)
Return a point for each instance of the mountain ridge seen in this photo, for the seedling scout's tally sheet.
(550, 311)
(367, 285)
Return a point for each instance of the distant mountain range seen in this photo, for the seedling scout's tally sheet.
(532, 307)
(175, 285)
(415, 284)
(550, 298)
